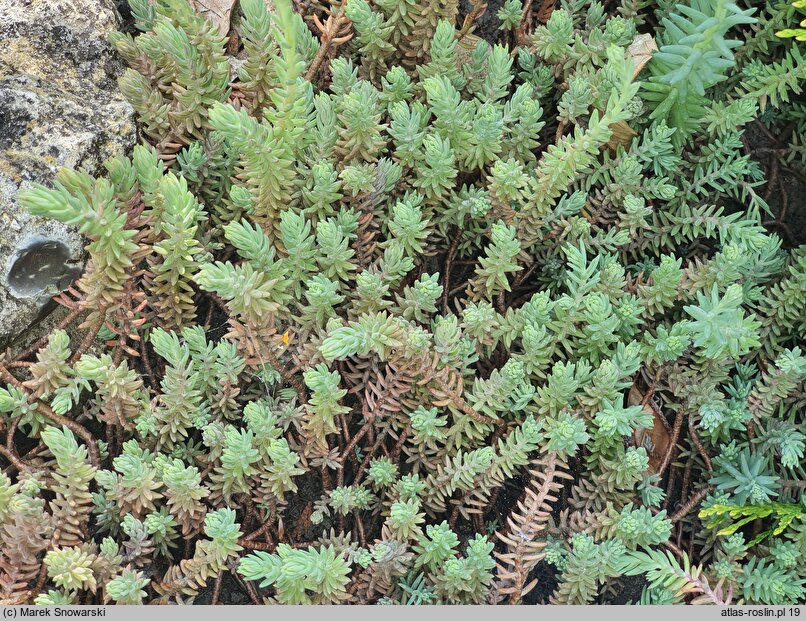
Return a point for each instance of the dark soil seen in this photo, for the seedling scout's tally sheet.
(487, 25)
(126, 15)
(230, 594)
(785, 191)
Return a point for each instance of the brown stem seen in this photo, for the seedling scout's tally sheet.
(216, 588)
(686, 477)
(692, 502)
(19, 365)
(256, 545)
(448, 266)
(39, 343)
(368, 457)
(400, 441)
(677, 551)
(521, 278)
(559, 134)
(669, 487)
(501, 303)
(303, 522)
(330, 37)
(355, 583)
(147, 364)
(458, 288)
(12, 429)
(349, 448)
(15, 461)
(464, 406)
(44, 408)
(454, 517)
(345, 431)
(263, 530)
(695, 440)
(287, 377)
(76, 428)
(526, 14)
(86, 342)
(248, 588)
(10, 379)
(40, 582)
(361, 536)
(667, 458)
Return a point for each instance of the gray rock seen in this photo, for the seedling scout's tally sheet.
(59, 106)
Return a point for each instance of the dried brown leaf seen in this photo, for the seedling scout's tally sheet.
(640, 52)
(622, 135)
(655, 439)
(545, 11)
(216, 11)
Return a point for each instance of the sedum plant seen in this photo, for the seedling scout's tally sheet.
(383, 312)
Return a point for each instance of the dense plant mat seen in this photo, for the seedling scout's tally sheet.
(381, 312)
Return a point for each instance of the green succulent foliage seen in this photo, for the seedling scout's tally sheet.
(746, 479)
(695, 54)
(301, 576)
(127, 589)
(71, 568)
(449, 311)
(719, 326)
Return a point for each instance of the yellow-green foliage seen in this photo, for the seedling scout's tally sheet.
(393, 314)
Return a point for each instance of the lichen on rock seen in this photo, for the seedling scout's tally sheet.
(59, 106)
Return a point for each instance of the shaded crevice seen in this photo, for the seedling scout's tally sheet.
(42, 267)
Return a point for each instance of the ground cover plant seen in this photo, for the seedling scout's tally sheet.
(383, 312)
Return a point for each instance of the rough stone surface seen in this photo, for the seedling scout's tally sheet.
(59, 106)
